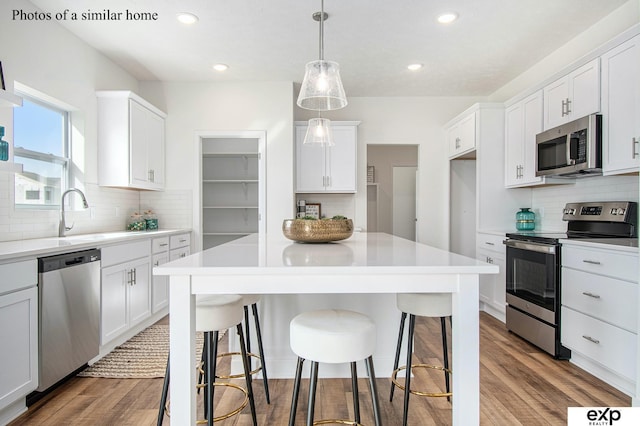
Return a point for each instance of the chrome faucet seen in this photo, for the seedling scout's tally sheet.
(62, 228)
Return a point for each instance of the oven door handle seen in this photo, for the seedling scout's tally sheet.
(527, 245)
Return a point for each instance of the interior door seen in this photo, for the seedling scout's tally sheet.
(404, 202)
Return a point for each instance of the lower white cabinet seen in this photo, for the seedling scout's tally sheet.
(125, 288)
(160, 283)
(18, 331)
(599, 315)
(490, 249)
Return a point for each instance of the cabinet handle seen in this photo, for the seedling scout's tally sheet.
(129, 277)
(489, 260)
(564, 107)
(568, 106)
(634, 142)
(595, 296)
(591, 339)
(164, 244)
(183, 254)
(489, 244)
(135, 276)
(592, 262)
(457, 143)
(157, 263)
(182, 240)
(329, 181)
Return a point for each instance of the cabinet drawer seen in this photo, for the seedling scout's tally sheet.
(610, 346)
(182, 240)
(18, 275)
(611, 300)
(490, 242)
(112, 255)
(159, 245)
(179, 252)
(604, 262)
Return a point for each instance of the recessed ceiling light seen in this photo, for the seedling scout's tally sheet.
(187, 18)
(221, 67)
(447, 18)
(415, 67)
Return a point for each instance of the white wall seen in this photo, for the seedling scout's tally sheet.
(46, 57)
(406, 121)
(204, 106)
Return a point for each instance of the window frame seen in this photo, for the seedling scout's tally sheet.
(64, 161)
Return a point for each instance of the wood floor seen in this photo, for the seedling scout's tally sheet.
(519, 385)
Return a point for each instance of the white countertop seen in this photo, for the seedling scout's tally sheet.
(48, 246)
(275, 253)
(621, 244)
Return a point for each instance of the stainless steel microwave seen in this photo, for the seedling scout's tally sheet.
(572, 149)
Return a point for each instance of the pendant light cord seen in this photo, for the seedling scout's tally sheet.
(321, 47)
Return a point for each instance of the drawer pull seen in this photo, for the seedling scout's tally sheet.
(592, 262)
(164, 244)
(489, 244)
(591, 339)
(595, 296)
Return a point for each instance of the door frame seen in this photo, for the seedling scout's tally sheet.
(261, 135)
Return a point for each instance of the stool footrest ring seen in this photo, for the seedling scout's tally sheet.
(237, 376)
(420, 393)
(337, 422)
(223, 416)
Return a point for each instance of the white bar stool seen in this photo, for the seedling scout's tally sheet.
(213, 314)
(425, 305)
(333, 336)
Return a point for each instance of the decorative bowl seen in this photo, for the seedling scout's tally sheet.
(317, 231)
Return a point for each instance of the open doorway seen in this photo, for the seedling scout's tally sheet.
(382, 160)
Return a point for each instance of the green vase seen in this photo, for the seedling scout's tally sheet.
(525, 220)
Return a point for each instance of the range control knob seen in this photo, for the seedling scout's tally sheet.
(621, 211)
(614, 212)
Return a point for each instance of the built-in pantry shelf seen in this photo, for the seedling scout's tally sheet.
(230, 189)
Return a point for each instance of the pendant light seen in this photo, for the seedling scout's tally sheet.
(322, 87)
(319, 132)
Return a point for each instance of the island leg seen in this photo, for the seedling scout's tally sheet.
(182, 350)
(466, 352)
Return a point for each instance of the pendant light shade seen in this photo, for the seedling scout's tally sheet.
(319, 132)
(322, 87)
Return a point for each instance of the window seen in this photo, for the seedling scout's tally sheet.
(41, 144)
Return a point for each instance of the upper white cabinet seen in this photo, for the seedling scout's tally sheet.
(621, 108)
(131, 138)
(327, 169)
(461, 136)
(573, 96)
(523, 121)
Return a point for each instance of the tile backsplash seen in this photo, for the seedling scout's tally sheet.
(548, 201)
(108, 211)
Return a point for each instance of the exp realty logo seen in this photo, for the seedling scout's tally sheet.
(603, 416)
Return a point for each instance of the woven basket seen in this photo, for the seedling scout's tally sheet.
(317, 231)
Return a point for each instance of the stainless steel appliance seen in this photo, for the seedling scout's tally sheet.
(533, 283)
(69, 314)
(572, 149)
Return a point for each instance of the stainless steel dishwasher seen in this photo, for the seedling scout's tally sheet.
(69, 314)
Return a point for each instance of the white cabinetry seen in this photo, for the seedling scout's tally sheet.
(180, 246)
(490, 249)
(160, 287)
(232, 182)
(322, 169)
(621, 108)
(599, 314)
(126, 287)
(131, 139)
(18, 334)
(461, 136)
(523, 121)
(573, 96)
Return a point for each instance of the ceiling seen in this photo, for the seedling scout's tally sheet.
(492, 42)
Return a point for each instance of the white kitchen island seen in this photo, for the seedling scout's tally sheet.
(366, 263)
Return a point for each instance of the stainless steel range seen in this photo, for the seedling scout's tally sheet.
(533, 282)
